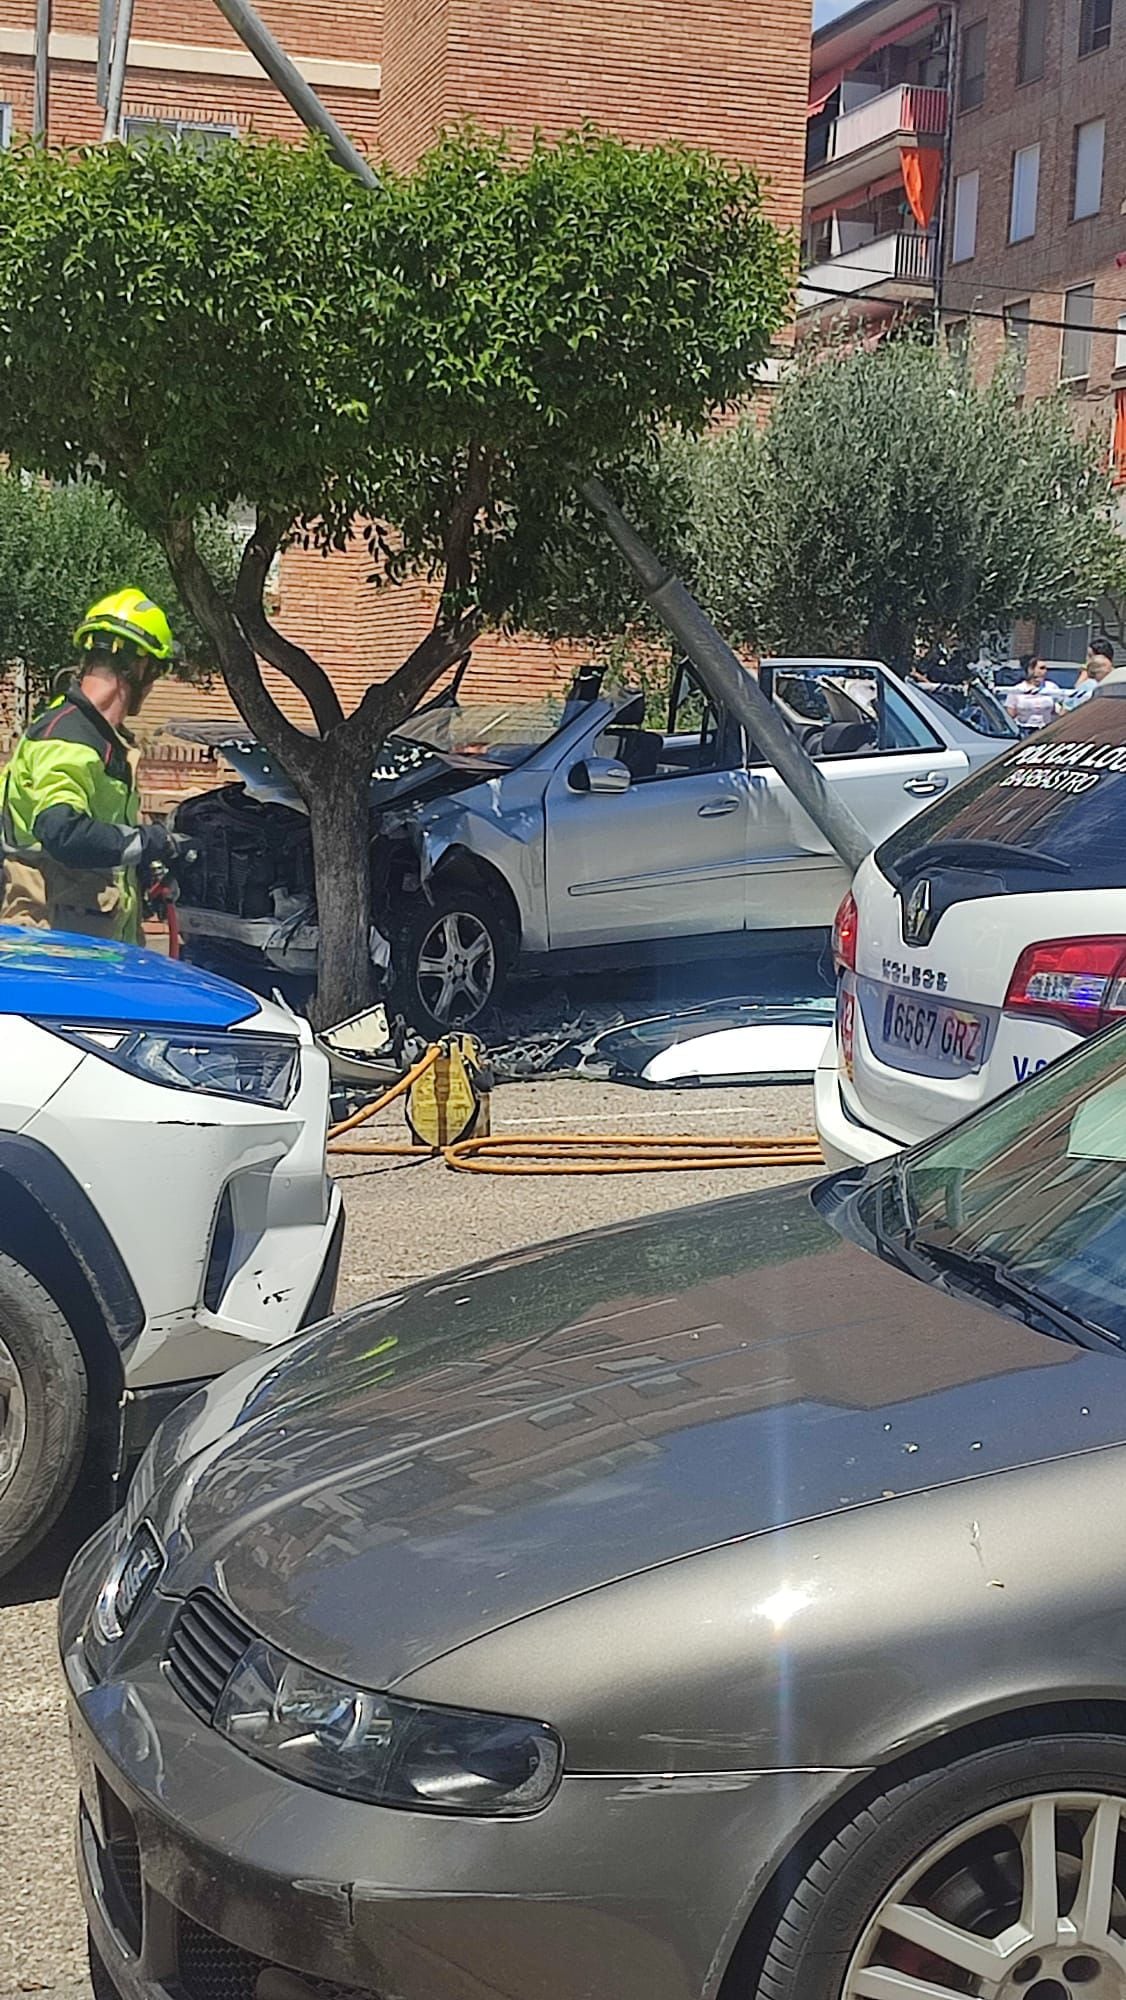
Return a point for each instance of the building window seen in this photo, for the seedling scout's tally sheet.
(1030, 48)
(958, 341)
(1026, 184)
(5, 124)
(169, 132)
(1087, 169)
(1075, 347)
(1094, 26)
(1118, 439)
(971, 83)
(963, 240)
(1017, 316)
(1120, 342)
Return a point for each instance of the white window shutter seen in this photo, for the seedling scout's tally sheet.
(964, 241)
(1090, 141)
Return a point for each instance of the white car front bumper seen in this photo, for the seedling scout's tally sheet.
(222, 1210)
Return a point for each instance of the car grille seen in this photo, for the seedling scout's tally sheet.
(206, 1645)
(211, 1969)
(120, 1861)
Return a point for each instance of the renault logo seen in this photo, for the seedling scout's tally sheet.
(917, 913)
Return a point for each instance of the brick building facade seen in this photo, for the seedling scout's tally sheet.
(394, 72)
(1036, 224)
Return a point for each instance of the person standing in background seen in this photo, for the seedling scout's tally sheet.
(1035, 700)
(1100, 663)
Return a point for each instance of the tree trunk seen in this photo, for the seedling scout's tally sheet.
(339, 812)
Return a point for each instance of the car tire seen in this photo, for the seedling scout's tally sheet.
(452, 922)
(941, 1836)
(43, 1406)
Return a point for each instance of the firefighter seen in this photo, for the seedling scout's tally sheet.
(73, 844)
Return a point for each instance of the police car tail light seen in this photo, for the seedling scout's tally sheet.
(845, 925)
(1079, 982)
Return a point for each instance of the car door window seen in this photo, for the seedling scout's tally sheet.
(901, 726)
(698, 737)
(847, 711)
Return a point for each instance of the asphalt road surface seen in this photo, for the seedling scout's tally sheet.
(404, 1222)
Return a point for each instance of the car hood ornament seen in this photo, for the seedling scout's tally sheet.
(918, 914)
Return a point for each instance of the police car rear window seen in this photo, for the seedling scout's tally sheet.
(1049, 813)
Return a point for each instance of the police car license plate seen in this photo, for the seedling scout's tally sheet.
(923, 1027)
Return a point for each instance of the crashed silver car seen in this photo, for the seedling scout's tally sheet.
(523, 834)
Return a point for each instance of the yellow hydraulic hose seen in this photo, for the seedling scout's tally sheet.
(576, 1152)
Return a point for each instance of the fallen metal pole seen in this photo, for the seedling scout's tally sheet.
(723, 676)
(267, 50)
(119, 63)
(729, 682)
(41, 107)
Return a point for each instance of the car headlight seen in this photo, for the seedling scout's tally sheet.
(380, 1749)
(259, 1069)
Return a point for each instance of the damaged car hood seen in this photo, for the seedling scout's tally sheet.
(406, 770)
(430, 1468)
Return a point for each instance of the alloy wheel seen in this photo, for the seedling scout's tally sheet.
(1027, 1902)
(457, 967)
(13, 1416)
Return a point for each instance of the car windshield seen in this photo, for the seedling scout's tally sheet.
(1033, 1189)
(499, 733)
(1061, 794)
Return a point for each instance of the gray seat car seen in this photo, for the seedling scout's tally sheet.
(569, 832)
(726, 1606)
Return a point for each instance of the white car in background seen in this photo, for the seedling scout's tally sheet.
(571, 835)
(982, 939)
(165, 1210)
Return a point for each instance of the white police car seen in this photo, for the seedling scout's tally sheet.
(982, 939)
(164, 1206)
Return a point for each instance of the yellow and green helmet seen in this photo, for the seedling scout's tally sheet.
(127, 623)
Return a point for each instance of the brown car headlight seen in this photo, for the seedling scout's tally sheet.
(383, 1750)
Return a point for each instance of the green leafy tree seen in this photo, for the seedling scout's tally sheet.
(61, 548)
(440, 357)
(892, 501)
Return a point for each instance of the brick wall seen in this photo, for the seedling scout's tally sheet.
(225, 96)
(647, 73)
(1063, 252)
(354, 26)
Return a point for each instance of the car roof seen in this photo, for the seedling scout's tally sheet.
(57, 976)
(823, 660)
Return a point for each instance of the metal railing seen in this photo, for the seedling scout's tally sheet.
(910, 107)
(904, 254)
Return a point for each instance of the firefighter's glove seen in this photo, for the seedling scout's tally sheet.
(158, 848)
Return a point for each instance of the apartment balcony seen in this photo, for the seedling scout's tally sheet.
(866, 143)
(897, 269)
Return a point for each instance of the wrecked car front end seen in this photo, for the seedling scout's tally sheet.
(470, 815)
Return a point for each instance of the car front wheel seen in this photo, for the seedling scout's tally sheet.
(450, 961)
(43, 1397)
(1001, 1876)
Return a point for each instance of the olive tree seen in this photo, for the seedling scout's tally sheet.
(892, 500)
(61, 547)
(438, 358)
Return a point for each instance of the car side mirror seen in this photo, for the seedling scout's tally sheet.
(599, 774)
